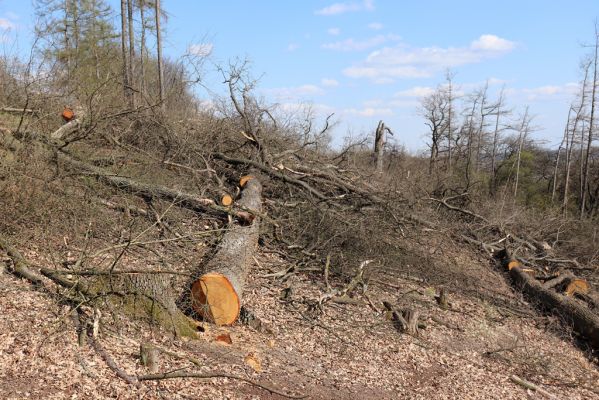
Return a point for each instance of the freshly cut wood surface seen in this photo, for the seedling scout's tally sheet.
(214, 297)
(245, 179)
(577, 286)
(226, 200)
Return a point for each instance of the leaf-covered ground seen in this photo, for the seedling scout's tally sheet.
(344, 351)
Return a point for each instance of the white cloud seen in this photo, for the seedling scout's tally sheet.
(201, 49)
(329, 82)
(6, 24)
(549, 91)
(297, 92)
(375, 26)
(359, 45)
(402, 61)
(384, 74)
(369, 112)
(334, 31)
(292, 46)
(341, 8)
(416, 91)
(492, 43)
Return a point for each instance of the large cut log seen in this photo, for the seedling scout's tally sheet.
(579, 316)
(216, 295)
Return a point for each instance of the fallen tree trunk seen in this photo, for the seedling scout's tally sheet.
(143, 295)
(182, 199)
(582, 319)
(13, 110)
(216, 295)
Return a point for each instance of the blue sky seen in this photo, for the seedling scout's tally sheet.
(367, 60)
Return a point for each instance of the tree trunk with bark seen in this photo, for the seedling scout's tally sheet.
(379, 145)
(582, 319)
(217, 294)
(159, 51)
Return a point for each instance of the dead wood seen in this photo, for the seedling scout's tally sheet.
(558, 280)
(441, 299)
(150, 295)
(379, 145)
(529, 385)
(531, 244)
(406, 321)
(13, 110)
(132, 380)
(66, 130)
(20, 266)
(273, 173)
(217, 294)
(583, 321)
(149, 356)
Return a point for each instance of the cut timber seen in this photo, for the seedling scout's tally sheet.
(579, 316)
(226, 200)
(216, 295)
(512, 264)
(67, 114)
(245, 179)
(67, 129)
(215, 298)
(577, 286)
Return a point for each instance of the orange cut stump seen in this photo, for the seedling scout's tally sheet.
(245, 179)
(579, 286)
(226, 200)
(67, 114)
(215, 299)
(513, 264)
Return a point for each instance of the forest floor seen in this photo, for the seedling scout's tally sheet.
(468, 351)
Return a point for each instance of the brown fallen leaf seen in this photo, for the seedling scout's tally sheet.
(253, 361)
(224, 338)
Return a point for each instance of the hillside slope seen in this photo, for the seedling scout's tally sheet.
(305, 342)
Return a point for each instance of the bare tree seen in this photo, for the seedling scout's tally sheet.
(499, 112)
(434, 109)
(523, 131)
(159, 51)
(558, 153)
(450, 98)
(131, 48)
(570, 143)
(142, 47)
(585, 178)
(126, 77)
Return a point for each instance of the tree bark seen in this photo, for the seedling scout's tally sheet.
(379, 145)
(217, 294)
(126, 82)
(131, 35)
(585, 178)
(159, 51)
(582, 319)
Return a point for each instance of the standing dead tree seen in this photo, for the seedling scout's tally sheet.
(379, 145)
